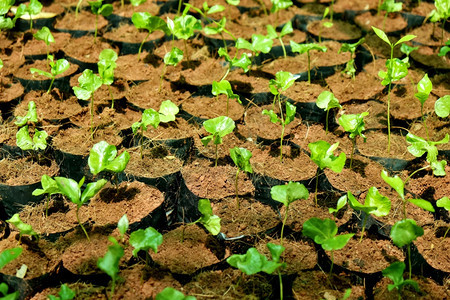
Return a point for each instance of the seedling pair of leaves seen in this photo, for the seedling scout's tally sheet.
(260, 44)
(244, 62)
(218, 127)
(106, 66)
(24, 229)
(49, 187)
(285, 30)
(354, 124)
(253, 262)
(65, 293)
(326, 101)
(324, 23)
(396, 70)
(7, 23)
(46, 36)
(350, 68)
(171, 58)
(241, 158)
(23, 139)
(306, 48)
(441, 13)
(389, 6)
(98, 8)
(33, 8)
(224, 87)
(167, 112)
(170, 293)
(110, 262)
(395, 273)
(322, 155)
(56, 68)
(286, 194)
(6, 256)
(208, 219)
(144, 20)
(144, 240)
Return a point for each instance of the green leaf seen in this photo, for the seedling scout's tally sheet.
(438, 167)
(340, 204)
(253, 262)
(303, 48)
(8, 255)
(144, 20)
(261, 43)
(442, 106)
(272, 115)
(119, 163)
(220, 126)
(102, 157)
(145, 239)
(278, 5)
(31, 115)
(319, 230)
(287, 29)
(326, 101)
(241, 158)
(443, 202)
(396, 70)
(215, 9)
(395, 182)
(337, 242)
(424, 204)
(220, 26)
(275, 251)
(5, 6)
(208, 219)
(49, 186)
(23, 139)
(233, 2)
(34, 7)
(66, 293)
(288, 193)
(170, 293)
(283, 81)
(106, 10)
(391, 6)
(290, 113)
(243, 44)
(395, 272)
(19, 224)
(59, 67)
(346, 47)
(404, 48)
(40, 72)
(69, 188)
(167, 111)
(221, 87)
(45, 35)
(424, 87)
(406, 38)
(39, 139)
(380, 202)
(6, 23)
(404, 232)
(354, 124)
(185, 26)
(123, 225)
(382, 35)
(89, 83)
(91, 190)
(173, 57)
(322, 156)
(110, 262)
(358, 206)
(108, 54)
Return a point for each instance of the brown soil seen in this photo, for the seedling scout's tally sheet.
(84, 22)
(340, 31)
(153, 164)
(24, 171)
(376, 145)
(394, 22)
(212, 107)
(25, 73)
(130, 34)
(85, 50)
(36, 47)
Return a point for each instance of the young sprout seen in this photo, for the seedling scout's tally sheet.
(253, 262)
(56, 68)
(110, 262)
(419, 147)
(171, 58)
(144, 20)
(396, 70)
(123, 226)
(403, 233)
(283, 120)
(244, 62)
(31, 115)
(98, 8)
(46, 36)
(442, 106)
(322, 155)
(326, 101)
(260, 44)
(354, 124)
(405, 49)
(306, 48)
(286, 194)
(323, 232)
(424, 87)
(7, 23)
(72, 190)
(89, 83)
(273, 34)
(6, 256)
(25, 142)
(224, 87)
(241, 158)
(65, 293)
(24, 229)
(389, 6)
(324, 23)
(170, 293)
(167, 112)
(441, 13)
(444, 203)
(375, 204)
(144, 240)
(33, 8)
(445, 49)
(208, 219)
(218, 127)
(350, 68)
(103, 157)
(106, 66)
(49, 187)
(395, 273)
(278, 5)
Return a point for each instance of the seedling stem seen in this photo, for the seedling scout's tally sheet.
(81, 225)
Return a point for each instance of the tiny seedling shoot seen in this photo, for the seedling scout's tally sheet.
(350, 68)
(171, 58)
(46, 36)
(144, 240)
(241, 158)
(322, 155)
(244, 62)
(325, 23)
(286, 194)
(260, 44)
(354, 124)
(24, 229)
(375, 204)
(98, 8)
(170, 293)
(56, 68)
(440, 13)
(72, 190)
(218, 127)
(208, 219)
(389, 6)
(123, 226)
(323, 232)
(424, 87)
(396, 70)
(326, 101)
(395, 273)
(110, 262)
(32, 9)
(31, 115)
(65, 293)
(166, 114)
(89, 83)
(144, 20)
(103, 157)
(106, 66)
(253, 262)
(273, 34)
(306, 48)
(224, 87)
(49, 187)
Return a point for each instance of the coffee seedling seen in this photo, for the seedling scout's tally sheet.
(326, 101)
(306, 48)
(350, 68)
(46, 36)
(106, 66)
(144, 20)
(241, 158)
(354, 124)
(98, 8)
(24, 229)
(34, 7)
(65, 293)
(49, 187)
(208, 219)
(224, 87)
(110, 262)
(6, 256)
(56, 68)
(144, 240)
(218, 127)
(395, 273)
